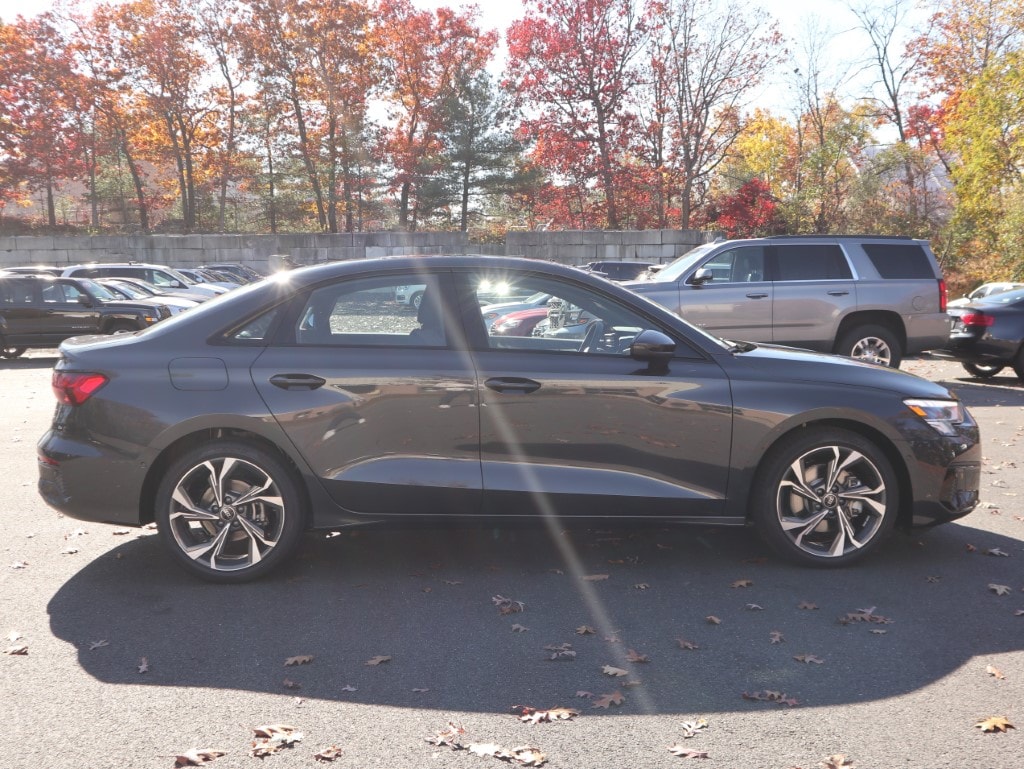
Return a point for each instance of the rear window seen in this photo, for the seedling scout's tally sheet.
(896, 261)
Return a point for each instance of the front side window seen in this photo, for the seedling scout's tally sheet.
(737, 265)
(364, 312)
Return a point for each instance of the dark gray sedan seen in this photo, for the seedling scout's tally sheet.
(313, 400)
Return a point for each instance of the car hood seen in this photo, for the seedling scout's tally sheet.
(796, 365)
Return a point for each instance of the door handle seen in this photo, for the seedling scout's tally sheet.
(512, 385)
(297, 381)
(757, 295)
(838, 293)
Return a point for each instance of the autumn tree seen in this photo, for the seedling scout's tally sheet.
(574, 64)
(708, 60)
(427, 56)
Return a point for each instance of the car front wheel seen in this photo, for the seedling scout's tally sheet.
(12, 352)
(872, 344)
(229, 511)
(825, 497)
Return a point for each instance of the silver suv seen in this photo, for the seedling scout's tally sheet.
(869, 297)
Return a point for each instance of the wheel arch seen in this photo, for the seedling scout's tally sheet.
(877, 437)
(193, 440)
(885, 318)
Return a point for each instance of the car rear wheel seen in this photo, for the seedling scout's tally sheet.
(121, 327)
(825, 497)
(1018, 364)
(982, 371)
(12, 352)
(872, 344)
(229, 511)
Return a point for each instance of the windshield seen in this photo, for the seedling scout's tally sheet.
(130, 291)
(100, 292)
(1003, 297)
(672, 271)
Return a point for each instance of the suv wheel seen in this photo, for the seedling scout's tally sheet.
(229, 511)
(872, 344)
(417, 300)
(825, 497)
(12, 352)
(981, 370)
(1018, 364)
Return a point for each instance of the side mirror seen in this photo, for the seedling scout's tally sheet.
(652, 347)
(85, 300)
(701, 276)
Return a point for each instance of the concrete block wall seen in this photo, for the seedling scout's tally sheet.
(263, 252)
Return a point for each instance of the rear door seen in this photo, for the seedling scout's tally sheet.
(377, 397)
(813, 289)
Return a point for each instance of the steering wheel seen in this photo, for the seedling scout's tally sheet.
(593, 334)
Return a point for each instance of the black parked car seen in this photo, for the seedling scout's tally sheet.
(988, 334)
(42, 311)
(311, 399)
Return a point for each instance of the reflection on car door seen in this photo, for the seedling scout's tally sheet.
(596, 433)
(737, 302)
(382, 408)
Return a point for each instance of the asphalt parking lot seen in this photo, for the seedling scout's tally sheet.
(130, 662)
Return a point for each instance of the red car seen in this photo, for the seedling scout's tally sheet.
(519, 323)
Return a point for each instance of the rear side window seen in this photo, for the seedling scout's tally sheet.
(897, 261)
(806, 261)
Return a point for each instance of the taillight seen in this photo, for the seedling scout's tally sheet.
(977, 319)
(943, 295)
(74, 389)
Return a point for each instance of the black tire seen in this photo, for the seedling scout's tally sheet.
(12, 352)
(873, 344)
(122, 327)
(209, 528)
(847, 518)
(982, 371)
(417, 300)
(1018, 365)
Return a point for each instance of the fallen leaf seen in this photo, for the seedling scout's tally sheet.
(776, 637)
(197, 757)
(970, 548)
(633, 656)
(452, 582)
(608, 670)
(690, 728)
(489, 750)
(604, 700)
(13, 636)
(999, 589)
(69, 551)
(681, 752)
(808, 658)
(585, 695)
(272, 737)
(754, 607)
(349, 688)
(528, 755)
(507, 605)
(1019, 613)
(20, 650)
(534, 716)
(688, 645)
(877, 631)
(290, 684)
(997, 551)
(517, 628)
(98, 645)
(711, 619)
(328, 754)
(641, 586)
(585, 630)
(378, 660)
(303, 659)
(419, 691)
(19, 565)
(806, 605)
(561, 651)
(595, 578)
(837, 761)
(742, 583)
(933, 580)
(995, 724)
(143, 666)
(995, 672)
(771, 696)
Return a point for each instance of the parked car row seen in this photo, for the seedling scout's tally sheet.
(42, 306)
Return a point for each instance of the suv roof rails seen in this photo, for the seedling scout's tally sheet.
(843, 235)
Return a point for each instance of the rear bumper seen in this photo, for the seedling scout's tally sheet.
(86, 481)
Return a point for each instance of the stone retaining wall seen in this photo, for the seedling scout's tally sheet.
(263, 251)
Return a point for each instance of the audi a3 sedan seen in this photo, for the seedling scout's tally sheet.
(313, 400)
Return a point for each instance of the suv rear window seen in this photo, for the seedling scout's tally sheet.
(811, 262)
(896, 261)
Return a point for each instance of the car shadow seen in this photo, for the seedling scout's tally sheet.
(431, 601)
(26, 363)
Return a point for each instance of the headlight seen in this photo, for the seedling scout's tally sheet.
(941, 414)
(510, 324)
